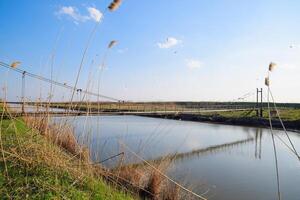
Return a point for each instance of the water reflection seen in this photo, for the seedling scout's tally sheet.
(233, 162)
(258, 137)
(204, 151)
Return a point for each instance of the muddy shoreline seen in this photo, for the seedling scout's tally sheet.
(293, 126)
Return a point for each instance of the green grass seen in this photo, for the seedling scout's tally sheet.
(287, 114)
(1, 107)
(290, 114)
(34, 168)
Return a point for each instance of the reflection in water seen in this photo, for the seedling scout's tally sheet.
(233, 162)
(258, 136)
(208, 150)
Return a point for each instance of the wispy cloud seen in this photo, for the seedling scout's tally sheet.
(168, 43)
(193, 63)
(95, 14)
(71, 11)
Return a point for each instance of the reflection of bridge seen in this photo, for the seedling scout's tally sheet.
(258, 139)
(210, 150)
(203, 151)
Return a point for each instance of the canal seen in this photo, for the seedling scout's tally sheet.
(219, 161)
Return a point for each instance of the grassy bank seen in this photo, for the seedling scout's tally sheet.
(43, 160)
(33, 167)
(286, 114)
(289, 112)
(290, 118)
(160, 106)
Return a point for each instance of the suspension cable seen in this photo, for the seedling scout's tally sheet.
(273, 141)
(2, 64)
(283, 126)
(283, 142)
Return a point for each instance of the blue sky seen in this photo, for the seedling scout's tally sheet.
(167, 50)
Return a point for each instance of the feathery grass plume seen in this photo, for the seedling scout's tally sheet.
(15, 64)
(114, 5)
(112, 43)
(267, 81)
(272, 66)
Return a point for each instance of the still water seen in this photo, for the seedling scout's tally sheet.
(221, 161)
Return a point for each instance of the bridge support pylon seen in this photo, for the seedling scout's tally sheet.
(259, 105)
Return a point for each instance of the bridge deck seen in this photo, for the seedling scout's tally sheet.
(81, 113)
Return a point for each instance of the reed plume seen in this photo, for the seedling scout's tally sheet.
(272, 66)
(15, 64)
(112, 43)
(114, 5)
(267, 81)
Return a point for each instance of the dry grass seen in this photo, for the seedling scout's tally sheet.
(154, 185)
(148, 182)
(40, 161)
(61, 135)
(55, 146)
(172, 193)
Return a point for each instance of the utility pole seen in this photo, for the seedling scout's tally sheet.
(23, 92)
(259, 105)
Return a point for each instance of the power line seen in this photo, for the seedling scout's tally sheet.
(2, 64)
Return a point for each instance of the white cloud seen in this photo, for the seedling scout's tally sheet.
(69, 10)
(170, 42)
(94, 14)
(193, 63)
(73, 13)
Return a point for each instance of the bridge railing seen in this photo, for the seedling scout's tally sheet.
(129, 107)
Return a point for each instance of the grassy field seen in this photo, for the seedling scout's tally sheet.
(286, 114)
(287, 109)
(32, 167)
